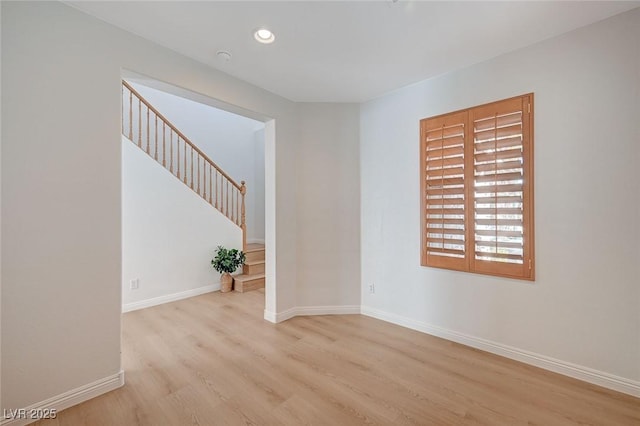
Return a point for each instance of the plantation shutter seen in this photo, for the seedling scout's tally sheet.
(476, 171)
(501, 224)
(443, 191)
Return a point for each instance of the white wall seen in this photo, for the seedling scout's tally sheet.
(584, 305)
(169, 233)
(61, 191)
(1, 135)
(328, 205)
(258, 185)
(227, 138)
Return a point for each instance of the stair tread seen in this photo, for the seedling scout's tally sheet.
(254, 262)
(244, 277)
(254, 247)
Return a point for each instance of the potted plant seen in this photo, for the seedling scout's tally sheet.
(226, 262)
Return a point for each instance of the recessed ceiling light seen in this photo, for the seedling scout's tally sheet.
(263, 35)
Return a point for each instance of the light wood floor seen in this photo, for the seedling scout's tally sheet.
(212, 360)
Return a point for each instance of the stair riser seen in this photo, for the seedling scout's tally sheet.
(248, 285)
(253, 269)
(255, 255)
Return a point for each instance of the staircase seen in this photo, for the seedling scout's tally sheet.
(147, 128)
(253, 272)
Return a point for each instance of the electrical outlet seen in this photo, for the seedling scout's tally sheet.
(372, 288)
(134, 284)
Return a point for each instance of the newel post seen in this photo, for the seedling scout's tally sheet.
(243, 225)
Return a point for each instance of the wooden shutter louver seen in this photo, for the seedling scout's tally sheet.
(444, 231)
(476, 187)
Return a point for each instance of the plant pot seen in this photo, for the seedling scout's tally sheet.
(226, 283)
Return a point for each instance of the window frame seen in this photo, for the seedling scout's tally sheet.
(469, 263)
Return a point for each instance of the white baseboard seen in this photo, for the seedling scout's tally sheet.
(70, 398)
(147, 303)
(600, 378)
(270, 316)
(276, 317)
(255, 241)
(285, 315)
(328, 310)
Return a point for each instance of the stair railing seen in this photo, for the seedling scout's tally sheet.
(146, 127)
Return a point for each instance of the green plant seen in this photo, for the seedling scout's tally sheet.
(227, 260)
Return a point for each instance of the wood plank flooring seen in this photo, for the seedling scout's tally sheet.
(213, 360)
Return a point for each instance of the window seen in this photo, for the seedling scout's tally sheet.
(476, 175)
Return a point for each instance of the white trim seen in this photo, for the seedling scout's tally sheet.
(270, 316)
(276, 317)
(590, 375)
(255, 241)
(71, 398)
(328, 310)
(147, 303)
(285, 315)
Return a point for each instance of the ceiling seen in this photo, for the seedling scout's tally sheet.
(348, 51)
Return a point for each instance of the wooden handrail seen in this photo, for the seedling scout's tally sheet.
(180, 134)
